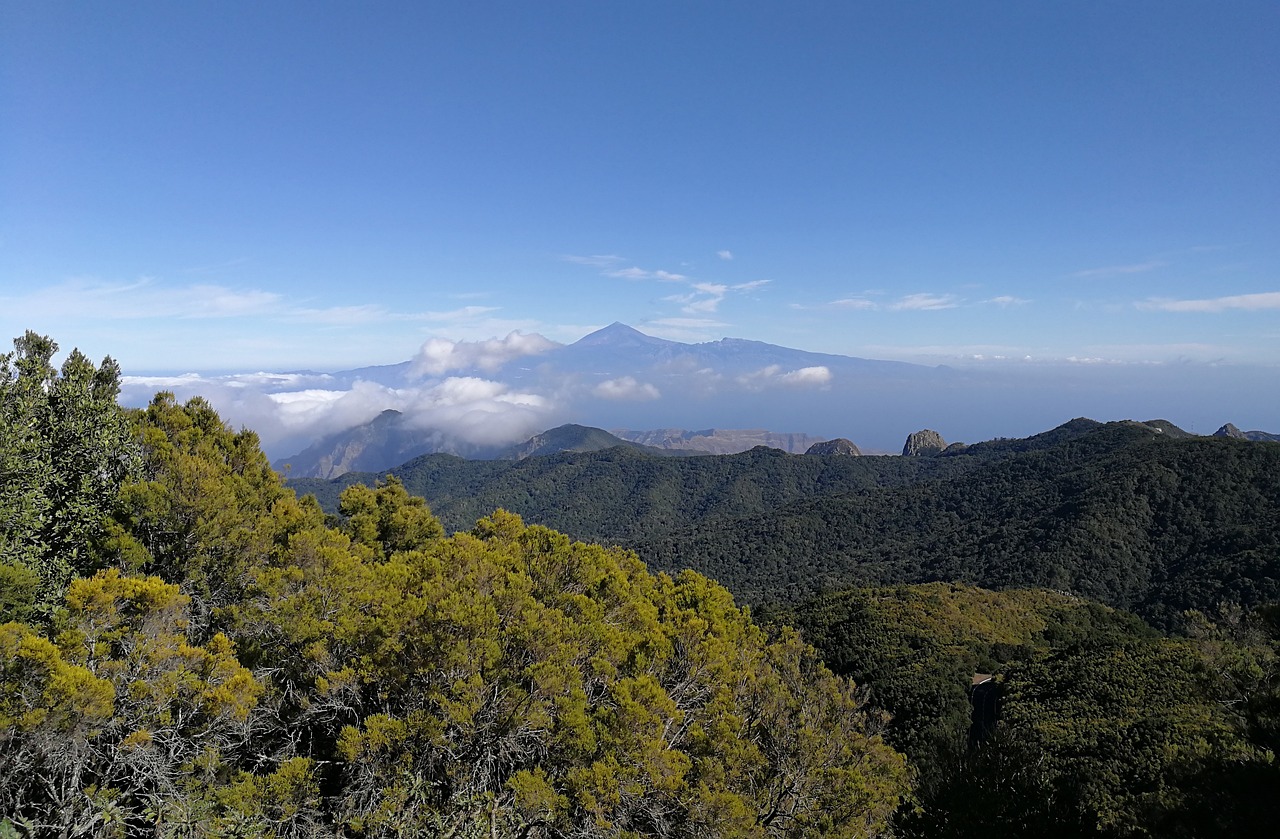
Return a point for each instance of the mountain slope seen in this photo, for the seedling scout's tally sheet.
(1136, 515)
(1124, 513)
(386, 440)
(574, 438)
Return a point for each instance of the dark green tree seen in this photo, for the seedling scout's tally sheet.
(64, 451)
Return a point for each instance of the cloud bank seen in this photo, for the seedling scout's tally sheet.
(1240, 302)
(440, 355)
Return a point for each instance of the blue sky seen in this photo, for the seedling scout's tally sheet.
(217, 186)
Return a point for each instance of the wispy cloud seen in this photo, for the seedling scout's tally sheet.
(143, 298)
(912, 302)
(855, 303)
(597, 261)
(702, 298)
(1120, 270)
(691, 329)
(1006, 300)
(634, 273)
(1242, 302)
(688, 323)
(706, 297)
(925, 302)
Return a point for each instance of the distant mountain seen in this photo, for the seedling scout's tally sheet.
(574, 438)
(719, 440)
(385, 441)
(619, 377)
(621, 350)
(1234, 433)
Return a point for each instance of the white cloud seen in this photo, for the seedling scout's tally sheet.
(478, 411)
(925, 302)
(599, 261)
(773, 375)
(669, 277)
(635, 273)
(688, 323)
(707, 297)
(291, 411)
(725, 255)
(1245, 302)
(856, 303)
(629, 274)
(144, 298)
(440, 355)
(1119, 270)
(626, 388)
(1006, 300)
(684, 329)
(807, 377)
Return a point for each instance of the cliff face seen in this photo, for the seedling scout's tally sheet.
(924, 442)
(838, 446)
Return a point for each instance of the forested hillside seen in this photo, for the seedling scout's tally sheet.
(1141, 516)
(187, 648)
(622, 495)
(190, 650)
(1105, 727)
(1119, 513)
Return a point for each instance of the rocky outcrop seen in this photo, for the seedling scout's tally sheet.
(1235, 433)
(1231, 431)
(923, 443)
(838, 446)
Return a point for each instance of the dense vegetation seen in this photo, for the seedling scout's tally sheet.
(189, 649)
(220, 661)
(1106, 727)
(621, 495)
(1136, 515)
(1120, 513)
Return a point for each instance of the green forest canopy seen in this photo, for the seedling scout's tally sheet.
(188, 648)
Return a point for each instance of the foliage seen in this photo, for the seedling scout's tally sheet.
(192, 650)
(511, 679)
(917, 648)
(206, 509)
(1117, 513)
(1137, 515)
(1117, 740)
(1104, 727)
(622, 495)
(64, 451)
(120, 720)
